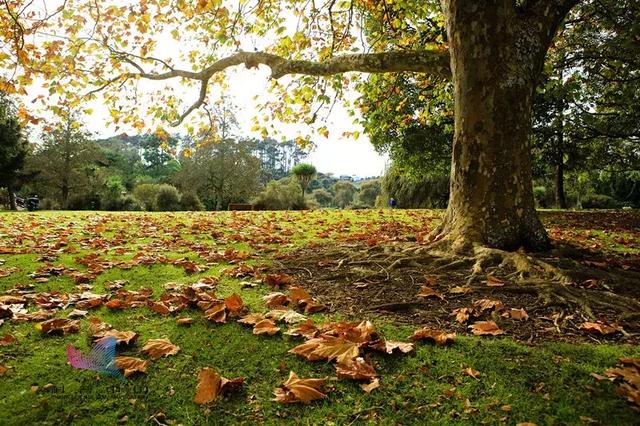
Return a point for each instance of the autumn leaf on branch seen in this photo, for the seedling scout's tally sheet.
(158, 348)
(299, 390)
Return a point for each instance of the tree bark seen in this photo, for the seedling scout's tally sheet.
(561, 201)
(13, 205)
(496, 58)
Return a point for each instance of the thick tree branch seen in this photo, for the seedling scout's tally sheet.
(434, 62)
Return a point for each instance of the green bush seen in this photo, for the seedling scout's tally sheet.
(147, 193)
(540, 196)
(167, 199)
(599, 201)
(84, 202)
(430, 192)
(126, 203)
(283, 194)
(191, 202)
(49, 204)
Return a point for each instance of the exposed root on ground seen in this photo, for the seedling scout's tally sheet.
(553, 278)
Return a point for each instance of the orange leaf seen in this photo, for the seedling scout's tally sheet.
(367, 388)
(59, 326)
(211, 385)
(296, 390)
(217, 313)
(482, 328)
(157, 348)
(471, 373)
(130, 365)
(234, 304)
(266, 326)
(438, 337)
(355, 369)
(184, 321)
(429, 292)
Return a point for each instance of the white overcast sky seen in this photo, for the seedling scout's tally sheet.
(337, 155)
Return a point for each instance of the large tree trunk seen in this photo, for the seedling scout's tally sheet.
(495, 61)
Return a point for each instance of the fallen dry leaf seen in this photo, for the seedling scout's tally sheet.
(328, 348)
(306, 329)
(7, 340)
(388, 346)
(367, 388)
(211, 385)
(184, 321)
(488, 305)
(251, 319)
(157, 348)
(471, 373)
(122, 337)
(299, 390)
(234, 304)
(3, 369)
(275, 300)
(493, 281)
(355, 369)
(463, 314)
(59, 326)
(483, 328)
(266, 326)
(600, 328)
(429, 292)
(130, 365)
(516, 314)
(217, 313)
(438, 337)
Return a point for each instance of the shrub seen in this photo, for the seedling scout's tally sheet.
(49, 204)
(599, 201)
(126, 203)
(322, 197)
(283, 194)
(167, 199)
(191, 202)
(84, 202)
(147, 193)
(540, 196)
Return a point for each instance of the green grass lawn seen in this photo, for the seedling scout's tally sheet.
(549, 383)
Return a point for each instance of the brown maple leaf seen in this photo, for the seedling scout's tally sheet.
(234, 304)
(329, 348)
(355, 369)
(427, 292)
(299, 390)
(59, 326)
(266, 326)
(367, 388)
(211, 385)
(130, 365)
(439, 337)
(483, 328)
(157, 348)
(600, 328)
